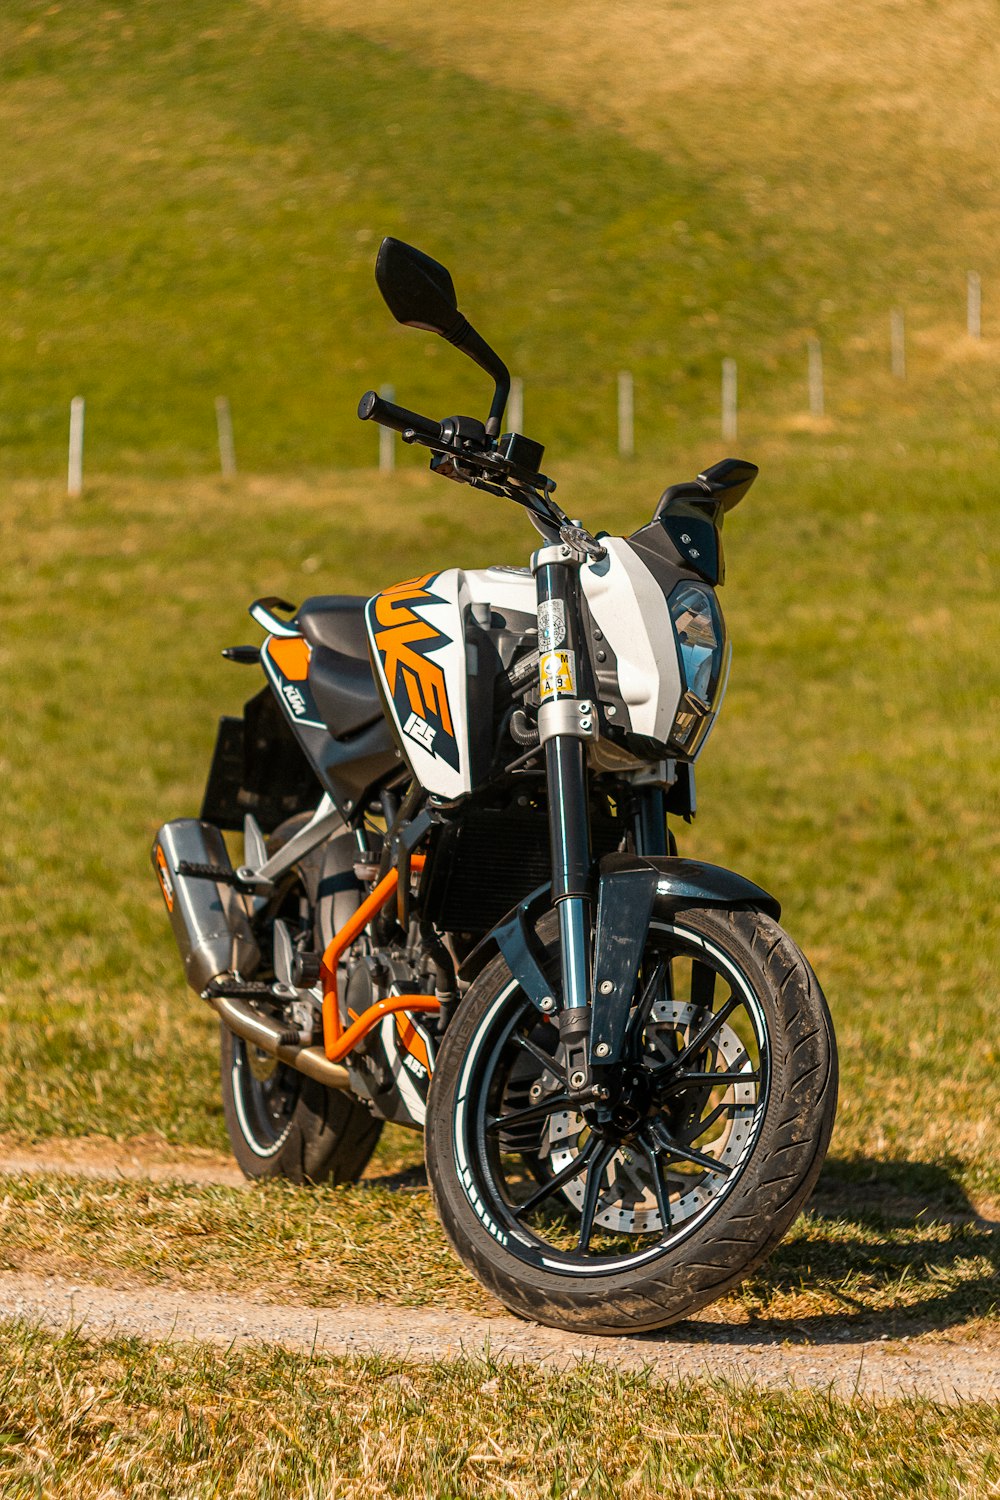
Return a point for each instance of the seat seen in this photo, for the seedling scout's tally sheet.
(340, 673)
(336, 621)
(344, 690)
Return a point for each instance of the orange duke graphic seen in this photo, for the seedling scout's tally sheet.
(417, 686)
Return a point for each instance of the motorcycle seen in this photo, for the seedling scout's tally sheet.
(461, 906)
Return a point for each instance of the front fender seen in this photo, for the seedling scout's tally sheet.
(633, 888)
(630, 886)
(687, 882)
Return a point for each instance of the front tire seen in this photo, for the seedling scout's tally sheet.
(711, 1154)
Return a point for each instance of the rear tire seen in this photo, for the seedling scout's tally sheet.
(667, 1257)
(281, 1123)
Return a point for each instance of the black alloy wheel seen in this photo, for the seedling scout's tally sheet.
(629, 1211)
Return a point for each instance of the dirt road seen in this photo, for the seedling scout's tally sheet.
(955, 1373)
(947, 1371)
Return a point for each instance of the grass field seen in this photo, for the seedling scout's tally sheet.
(854, 770)
(191, 203)
(194, 209)
(116, 1419)
(854, 1268)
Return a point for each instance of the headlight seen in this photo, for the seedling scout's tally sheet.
(703, 651)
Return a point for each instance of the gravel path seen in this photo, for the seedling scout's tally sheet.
(946, 1373)
(135, 1161)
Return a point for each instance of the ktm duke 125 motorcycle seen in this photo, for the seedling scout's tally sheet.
(460, 907)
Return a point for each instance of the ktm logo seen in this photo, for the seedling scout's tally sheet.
(403, 639)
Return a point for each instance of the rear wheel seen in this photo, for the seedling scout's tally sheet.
(281, 1123)
(632, 1216)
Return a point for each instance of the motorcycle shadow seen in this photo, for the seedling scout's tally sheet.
(885, 1250)
(411, 1179)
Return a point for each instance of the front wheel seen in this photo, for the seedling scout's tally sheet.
(629, 1217)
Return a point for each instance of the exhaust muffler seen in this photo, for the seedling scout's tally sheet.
(212, 928)
(209, 918)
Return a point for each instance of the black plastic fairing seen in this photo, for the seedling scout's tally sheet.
(691, 882)
(635, 890)
(690, 517)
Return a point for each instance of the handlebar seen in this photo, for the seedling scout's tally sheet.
(373, 408)
(463, 451)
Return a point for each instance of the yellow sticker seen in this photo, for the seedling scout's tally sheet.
(557, 673)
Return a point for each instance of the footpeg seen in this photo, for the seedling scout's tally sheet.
(241, 880)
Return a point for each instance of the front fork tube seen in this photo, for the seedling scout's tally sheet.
(569, 814)
(569, 823)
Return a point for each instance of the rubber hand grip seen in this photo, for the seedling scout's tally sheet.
(372, 408)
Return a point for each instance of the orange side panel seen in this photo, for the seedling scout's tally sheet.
(290, 654)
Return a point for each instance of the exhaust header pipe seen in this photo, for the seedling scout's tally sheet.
(260, 1032)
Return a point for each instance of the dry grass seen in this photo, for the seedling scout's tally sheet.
(835, 114)
(840, 1274)
(100, 1421)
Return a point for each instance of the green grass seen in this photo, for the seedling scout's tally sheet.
(843, 1273)
(115, 1418)
(195, 208)
(192, 206)
(854, 770)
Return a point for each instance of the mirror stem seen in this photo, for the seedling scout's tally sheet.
(464, 337)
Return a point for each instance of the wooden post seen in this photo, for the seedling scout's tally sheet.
(386, 437)
(816, 404)
(227, 448)
(897, 329)
(729, 422)
(974, 315)
(515, 405)
(74, 483)
(626, 414)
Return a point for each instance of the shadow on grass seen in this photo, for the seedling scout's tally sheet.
(402, 1180)
(896, 1247)
(900, 1190)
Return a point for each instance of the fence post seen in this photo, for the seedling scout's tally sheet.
(729, 421)
(515, 405)
(626, 414)
(897, 329)
(74, 480)
(975, 306)
(816, 402)
(224, 426)
(386, 437)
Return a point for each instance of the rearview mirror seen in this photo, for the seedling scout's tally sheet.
(420, 293)
(418, 290)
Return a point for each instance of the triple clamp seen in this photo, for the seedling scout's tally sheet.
(572, 716)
